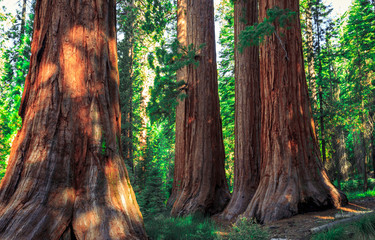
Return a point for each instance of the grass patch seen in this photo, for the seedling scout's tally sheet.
(247, 230)
(360, 194)
(364, 228)
(164, 227)
(197, 227)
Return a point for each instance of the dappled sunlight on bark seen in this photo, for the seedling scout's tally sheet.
(65, 176)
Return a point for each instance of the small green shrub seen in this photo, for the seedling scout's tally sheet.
(356, 184)
(191, 227)
(247, 230)
(333, 234)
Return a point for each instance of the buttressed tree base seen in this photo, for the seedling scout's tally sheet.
(199, 175)
(66, 178)
(292, 178)
(247, 114)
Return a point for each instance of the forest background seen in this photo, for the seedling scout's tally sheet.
(339, 52)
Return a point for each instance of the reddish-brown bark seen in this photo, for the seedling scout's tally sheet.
(247, 115)
(203, 187)
(66, 178)
(293, 179)
(180, 110)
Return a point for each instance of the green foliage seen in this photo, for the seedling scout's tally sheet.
(166, 90)
(15, 61)
(226, 83)
(356, 184)
(163, 227)
(277, 18)
(153, 194)
(360, 194)
(358, 54)
(245, 229)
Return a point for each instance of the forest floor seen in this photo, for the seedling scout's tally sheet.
(298, 227)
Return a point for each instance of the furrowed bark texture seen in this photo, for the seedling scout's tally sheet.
(292, 179)
(66, 178)
(179, 160)
(247, 115)
(204, 188)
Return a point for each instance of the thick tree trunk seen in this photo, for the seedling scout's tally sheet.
(292, 179)
(203, 188)
(247, 116)
(66, 178)
(179, 160)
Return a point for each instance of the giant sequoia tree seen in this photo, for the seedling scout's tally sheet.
(203, 186)
(247, 114)
(293, 179)
(180, 109)
(66, 178)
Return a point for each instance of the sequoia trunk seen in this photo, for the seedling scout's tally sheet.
(247, 115)
(203, 188)
(179, 159)
(66, 178)
(292, 178)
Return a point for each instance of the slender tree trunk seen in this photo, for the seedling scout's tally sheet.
(310, 56)
(372, 139)
(66, 178)
(23, 19)
(321, 119)
(247, 116)
(344, 163)
(320, 94)
(143, 142)
(126, 84)
(363, 119)
(204, 187)
(357, 152)
(364, 160)
(292, 179)
(179, 162)
(340, 155)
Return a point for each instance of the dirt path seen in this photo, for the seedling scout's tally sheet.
(297, 227)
